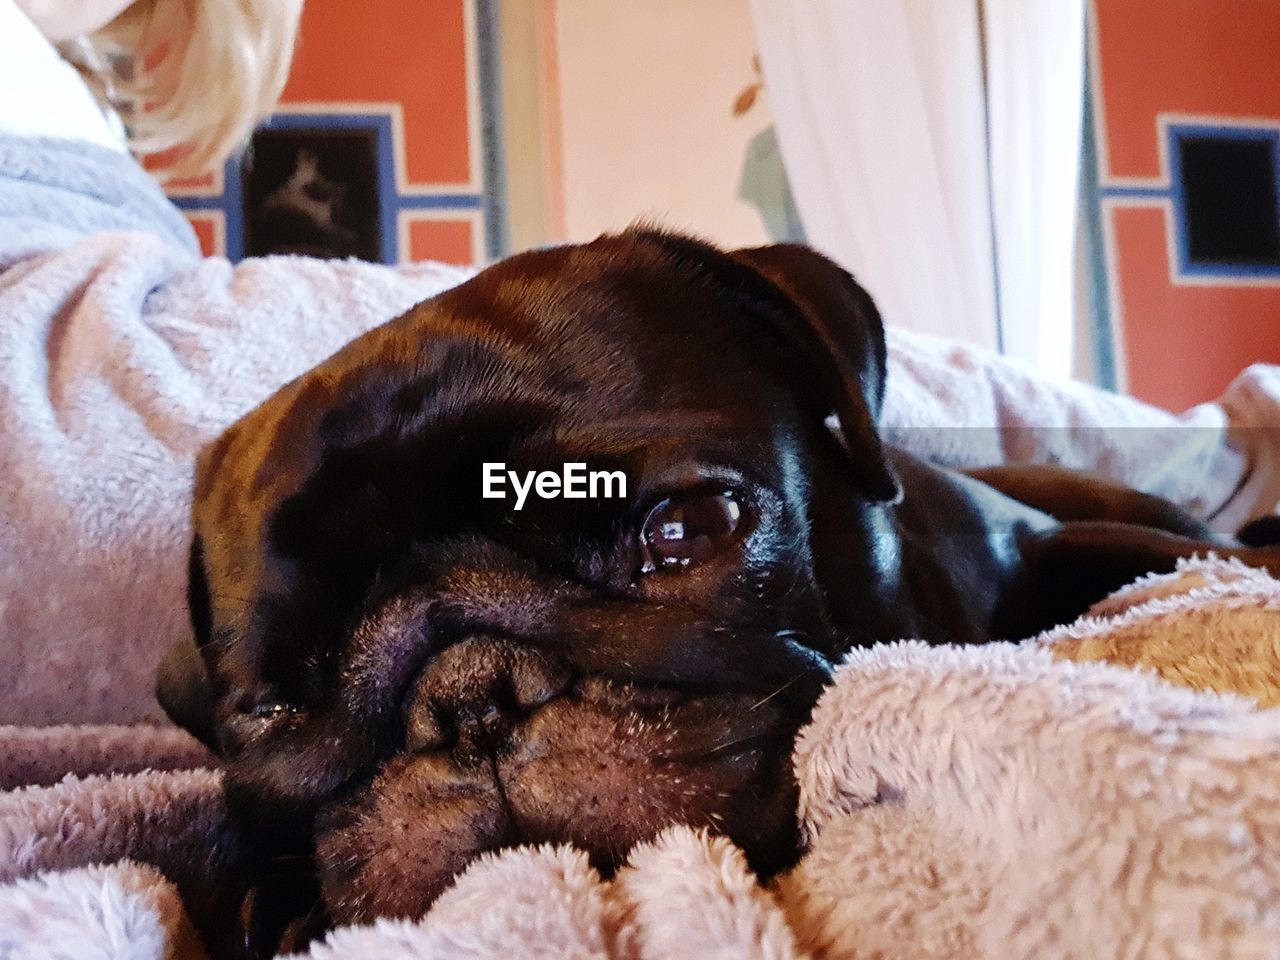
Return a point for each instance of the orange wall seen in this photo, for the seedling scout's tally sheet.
(413, 61)
(1182, 339)
(407, 51)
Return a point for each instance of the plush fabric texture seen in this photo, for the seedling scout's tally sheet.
(961, 407)
(122, 352)
(119, 912)
(174, 820)
(1001, 801)
(1045, 809)
(1173, 625)
(40, 756)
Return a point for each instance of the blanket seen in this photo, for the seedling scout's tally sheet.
(1107, 789)
(123, 352)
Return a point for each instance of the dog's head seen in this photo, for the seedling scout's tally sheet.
(402, 673)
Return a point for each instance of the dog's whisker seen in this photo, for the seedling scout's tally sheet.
(760, 703)
(720, 747)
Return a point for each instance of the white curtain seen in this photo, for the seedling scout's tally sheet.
(882, 110)
(1035, 87)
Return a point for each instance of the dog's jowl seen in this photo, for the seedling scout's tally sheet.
(402, 670)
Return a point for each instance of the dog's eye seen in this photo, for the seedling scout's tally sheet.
(681, 532)
(270, 710)
(252, 720)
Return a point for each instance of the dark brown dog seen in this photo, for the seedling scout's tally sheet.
(401, 674)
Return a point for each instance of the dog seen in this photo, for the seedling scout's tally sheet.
(400, 673)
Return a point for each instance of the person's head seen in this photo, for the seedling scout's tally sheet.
(190, 77)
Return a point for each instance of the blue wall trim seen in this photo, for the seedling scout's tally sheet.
(489, 53)
(390, 200)
(1175, 193)
(1101, 327)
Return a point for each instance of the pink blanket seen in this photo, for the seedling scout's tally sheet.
(991, 803)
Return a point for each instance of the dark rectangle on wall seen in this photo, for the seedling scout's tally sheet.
(1230, 193)
(313, 192)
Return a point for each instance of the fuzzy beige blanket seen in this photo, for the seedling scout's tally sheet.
(992, 802)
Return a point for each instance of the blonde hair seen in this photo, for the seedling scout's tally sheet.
(190, 78)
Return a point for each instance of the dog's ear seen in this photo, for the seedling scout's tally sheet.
(837, 328)
(182, 680)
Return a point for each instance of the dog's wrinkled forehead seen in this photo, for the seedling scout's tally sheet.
(539, 349)
(580, 328)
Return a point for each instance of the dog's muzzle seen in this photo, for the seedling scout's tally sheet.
(468, 698)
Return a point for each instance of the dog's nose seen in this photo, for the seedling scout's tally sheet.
(471, 693)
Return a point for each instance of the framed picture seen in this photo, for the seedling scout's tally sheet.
(312, 192)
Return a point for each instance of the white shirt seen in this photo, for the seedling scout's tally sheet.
(41, 95)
